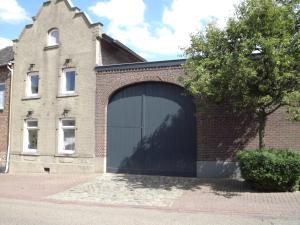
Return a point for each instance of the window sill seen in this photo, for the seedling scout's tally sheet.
(31, 98)
(51, 47)
(70, 155)
(67, 95)
(30, 154)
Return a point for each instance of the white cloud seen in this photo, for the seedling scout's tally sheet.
(5, 42)
(121, 12)
(178, 21)
(12, 12)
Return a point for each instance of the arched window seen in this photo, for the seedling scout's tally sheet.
(53, 37)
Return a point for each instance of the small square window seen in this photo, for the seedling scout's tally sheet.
(67, 136)
(68, 81)
(31, 136)
(33, 84)
(2, 96)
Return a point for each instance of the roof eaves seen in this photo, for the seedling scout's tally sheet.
(141, 65)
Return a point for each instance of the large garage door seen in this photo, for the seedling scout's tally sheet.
(151, 130)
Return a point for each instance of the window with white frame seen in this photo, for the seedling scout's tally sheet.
(53, 37)
(32, 84)
(67, 129)
(68, 81)
(31, 136)
(2, 96)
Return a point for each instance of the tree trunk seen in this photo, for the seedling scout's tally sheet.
(261, 131)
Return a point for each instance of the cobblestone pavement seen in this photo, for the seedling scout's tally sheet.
(191, 194)
(128, 190)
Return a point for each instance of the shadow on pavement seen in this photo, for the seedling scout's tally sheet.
(222, 187)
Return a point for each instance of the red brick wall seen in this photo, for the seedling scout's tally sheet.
(219, 134)
(4, 114)
(113, 55)
(281, 132)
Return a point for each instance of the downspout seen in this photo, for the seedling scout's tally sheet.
(10, 68)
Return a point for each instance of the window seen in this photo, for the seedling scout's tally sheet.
(31, 136)
(67, 136)
(2, 96)
(53, 37)
(68, 81)
(33, 84)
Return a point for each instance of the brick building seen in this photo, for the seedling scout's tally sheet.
(86, 103)
(6, 56)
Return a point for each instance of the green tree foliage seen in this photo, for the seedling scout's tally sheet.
(252, 64)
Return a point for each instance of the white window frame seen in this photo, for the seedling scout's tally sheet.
(61, 145)
(28, 84)
(2, 106)
(63, 88)
(26, 136)
(52, 40)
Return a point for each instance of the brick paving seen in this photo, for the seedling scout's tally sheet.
(38, 186)
(171, 193)
(191, 194)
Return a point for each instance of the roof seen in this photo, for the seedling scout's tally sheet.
(141, 65)
(118, 44)
(6, 55)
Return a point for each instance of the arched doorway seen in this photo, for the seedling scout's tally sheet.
(151, 129)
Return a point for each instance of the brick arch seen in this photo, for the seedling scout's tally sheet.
(123, 86)
(108, 83)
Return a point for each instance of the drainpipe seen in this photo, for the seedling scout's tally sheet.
(10, 68)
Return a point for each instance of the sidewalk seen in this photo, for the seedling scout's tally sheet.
(38, 186)
(165, 193)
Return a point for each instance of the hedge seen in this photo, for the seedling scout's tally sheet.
(270, 170)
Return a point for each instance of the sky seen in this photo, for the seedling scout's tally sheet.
(155, 29)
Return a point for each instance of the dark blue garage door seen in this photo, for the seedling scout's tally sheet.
(152, 130)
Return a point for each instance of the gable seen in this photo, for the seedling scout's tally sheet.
(60, 12)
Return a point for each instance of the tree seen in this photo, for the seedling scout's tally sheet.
(253, 63)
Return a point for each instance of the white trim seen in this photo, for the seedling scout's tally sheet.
(64, 81)
(26, 136)
(61, 145)
(29, 84)
(53, 40)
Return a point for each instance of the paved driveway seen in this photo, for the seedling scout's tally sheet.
(167, 193)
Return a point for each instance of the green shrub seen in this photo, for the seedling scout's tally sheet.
(270, 170)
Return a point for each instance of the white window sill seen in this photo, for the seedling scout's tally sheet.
(30, 153)
(63, 154)
(66, 95)
(66, 153)
(31, 97)
(51, 47)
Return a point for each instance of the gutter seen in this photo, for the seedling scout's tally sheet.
(141, 65)
(10, 68)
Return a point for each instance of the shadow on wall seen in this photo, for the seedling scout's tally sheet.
(169, 150)
(223, 133)
(220, 136)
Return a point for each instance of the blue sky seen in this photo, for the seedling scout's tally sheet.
(155, 29)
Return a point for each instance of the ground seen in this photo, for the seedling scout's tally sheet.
(134, 199)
